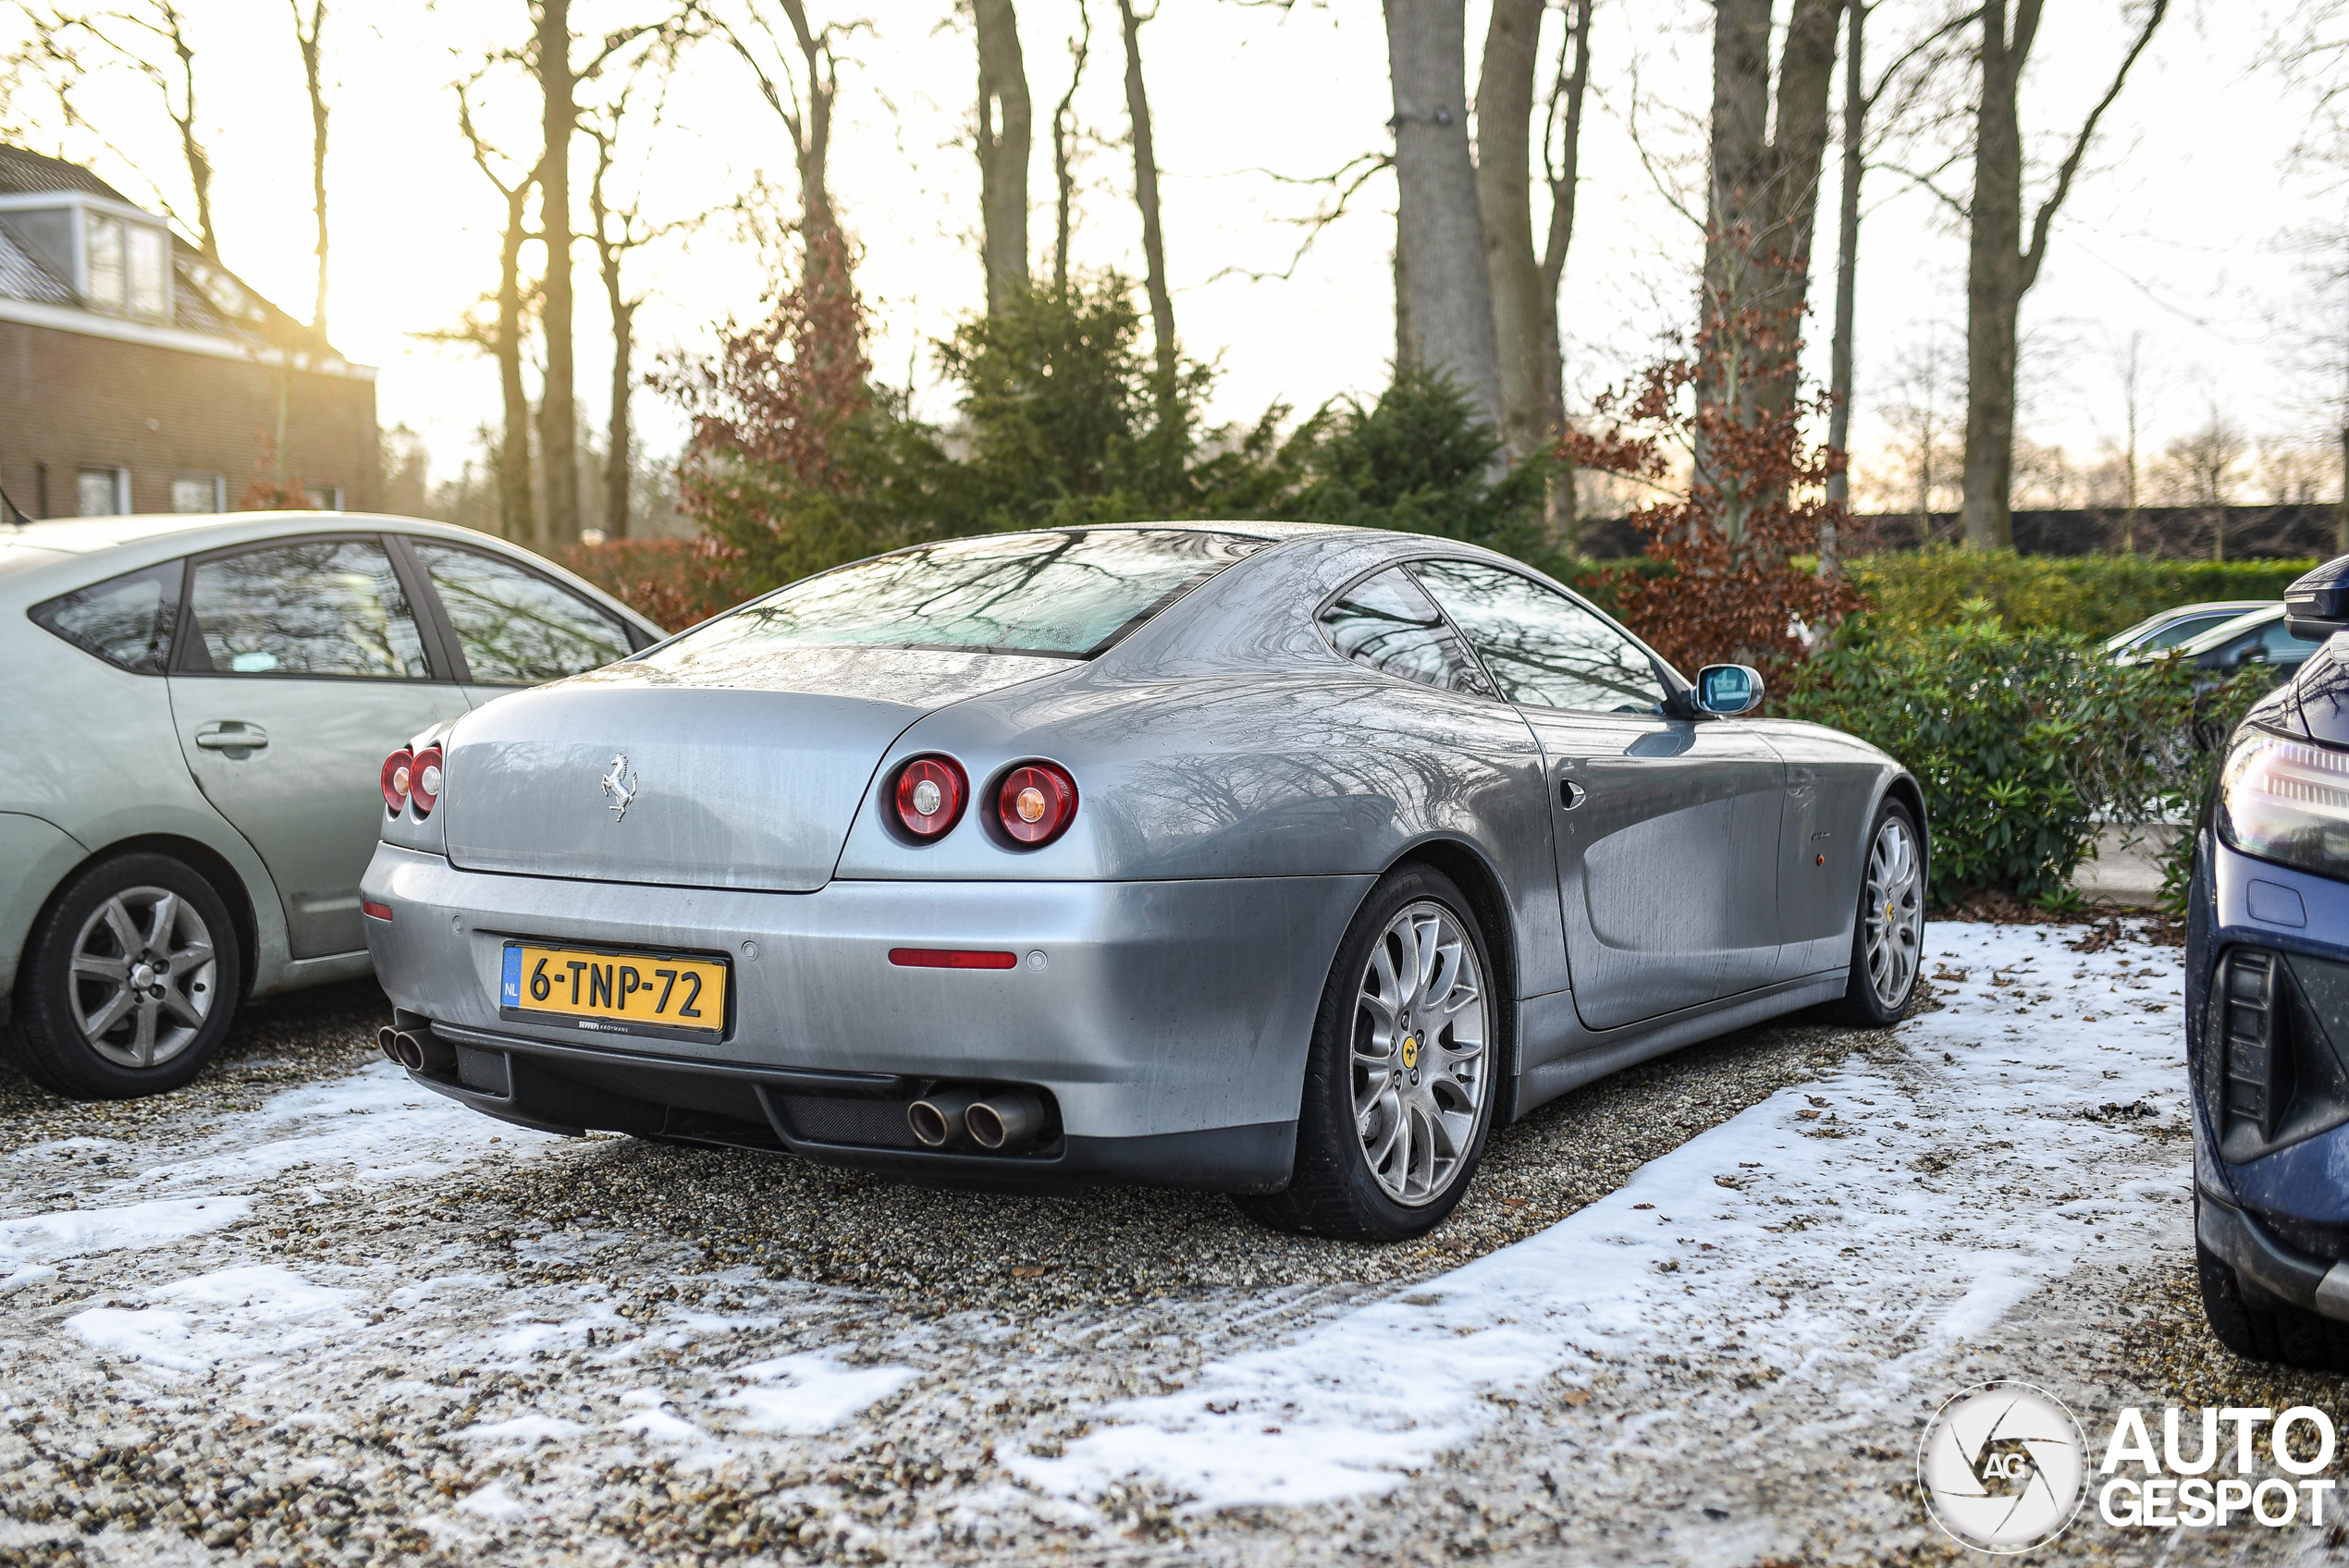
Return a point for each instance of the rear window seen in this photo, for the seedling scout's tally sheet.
(126, 620)
(1071, 594)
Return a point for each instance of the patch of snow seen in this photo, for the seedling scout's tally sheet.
(522, 1430)
(492, 1501)
(810, 1393)
(1907, 1188)
(79, 1232)
(230, 1315)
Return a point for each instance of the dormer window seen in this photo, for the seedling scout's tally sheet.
(129, 268)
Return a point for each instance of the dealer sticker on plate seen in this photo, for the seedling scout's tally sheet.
(642, 991)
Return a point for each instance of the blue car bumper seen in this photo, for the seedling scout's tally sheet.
(2267, 1050)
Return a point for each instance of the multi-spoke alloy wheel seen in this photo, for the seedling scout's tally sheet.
(1420, 1062)
(1893, 909)
(1409, 1057)
(129, 981)
(144, 976)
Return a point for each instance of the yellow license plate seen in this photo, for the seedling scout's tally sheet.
(651, 991)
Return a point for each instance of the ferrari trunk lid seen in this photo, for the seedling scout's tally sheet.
(745, 776)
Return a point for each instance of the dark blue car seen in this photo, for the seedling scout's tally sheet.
(2268, 1010)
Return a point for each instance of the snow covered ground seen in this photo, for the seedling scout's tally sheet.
(1839, 1251)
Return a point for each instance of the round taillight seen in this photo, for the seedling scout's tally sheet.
(930, 793)
(424, 783)
(1036, 803)
(398, 768)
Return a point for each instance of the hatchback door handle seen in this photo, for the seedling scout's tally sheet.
(232, 737)
(1571, 794)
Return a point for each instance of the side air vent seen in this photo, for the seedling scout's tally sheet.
(2257, 1072)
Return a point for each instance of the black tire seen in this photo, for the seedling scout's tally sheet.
(1333, 1191)
(45, 1033)
(1860, 1005)
(2280, 1332)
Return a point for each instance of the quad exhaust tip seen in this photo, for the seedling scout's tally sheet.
(1004, 1123)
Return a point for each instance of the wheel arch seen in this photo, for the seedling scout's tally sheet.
(1905, 789)
(1488, 903)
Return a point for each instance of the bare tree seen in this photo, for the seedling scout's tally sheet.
(150, 37)
(1525, 284)
(1445, 282)
(2129, 364)
(1064, 148)
(1766, 158)
(1138, 115)
(800, 81)
(1919, 406)
(306, 36)
(618, 230)
(1005, 142)
(2001, 262)
(2205, 469)
(518, 518)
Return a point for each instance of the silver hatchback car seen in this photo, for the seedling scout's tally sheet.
(197, 712)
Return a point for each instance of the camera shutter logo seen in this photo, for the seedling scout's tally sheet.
(2004, 1467)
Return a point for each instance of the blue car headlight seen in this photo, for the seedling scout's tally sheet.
(2287, 800)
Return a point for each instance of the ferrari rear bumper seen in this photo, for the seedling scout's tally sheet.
(1166, 1023)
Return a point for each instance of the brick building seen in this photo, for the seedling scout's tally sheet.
(136, 375)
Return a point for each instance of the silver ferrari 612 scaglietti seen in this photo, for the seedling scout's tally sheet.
(1264, 858)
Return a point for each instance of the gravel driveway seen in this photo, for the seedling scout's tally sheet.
(306, 1312)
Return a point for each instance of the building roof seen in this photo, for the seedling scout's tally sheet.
(24, 172)
(208, 300)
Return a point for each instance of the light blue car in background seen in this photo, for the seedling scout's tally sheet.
(198, 711)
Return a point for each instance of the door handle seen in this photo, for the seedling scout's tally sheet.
(232, 736)
(1571, 794)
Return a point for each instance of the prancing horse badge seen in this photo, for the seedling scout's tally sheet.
(620, 784)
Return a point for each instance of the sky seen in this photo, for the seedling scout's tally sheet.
(2179, 231)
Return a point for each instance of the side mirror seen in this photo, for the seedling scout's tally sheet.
(2318, 605)
(1725, 690)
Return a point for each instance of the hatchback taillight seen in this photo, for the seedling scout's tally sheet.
(398, 768)
(930, 795)
(423, 784)
(1036, 804)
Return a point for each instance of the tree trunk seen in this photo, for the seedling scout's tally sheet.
(1137, 111)
(1004, 141)
(1063, 148)
(516, 517)
(1560, 504)
(306, 38)
(1442, 234)
(1505, 206)
(558, 406)
(619, 474)
(1994, 268)
(1847, 277)
(2000, 267)
(2341, 512)
(1406, 353)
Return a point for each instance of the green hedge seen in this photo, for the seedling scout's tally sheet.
(2025, 742)
(2093, 597)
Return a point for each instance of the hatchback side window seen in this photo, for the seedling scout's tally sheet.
(515, 628)
(1542, 647)
(1388, 623)
(125, 620)
(315, 606)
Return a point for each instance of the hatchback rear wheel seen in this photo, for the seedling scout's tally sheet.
(129, 981)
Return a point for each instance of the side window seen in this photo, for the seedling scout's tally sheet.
(1389, 624)
(126, 620)
(1543, 648)
(516, 628)
(319, 607)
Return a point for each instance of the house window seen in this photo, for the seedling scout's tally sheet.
(200, 493)
(103, 492)
(107, 264)
(325, 498)
(129, 268)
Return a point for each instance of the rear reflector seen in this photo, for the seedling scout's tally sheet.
(369, 906)
(950, 958)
